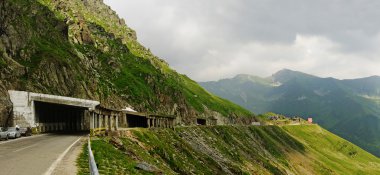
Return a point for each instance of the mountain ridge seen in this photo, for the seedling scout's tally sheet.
(344, 107)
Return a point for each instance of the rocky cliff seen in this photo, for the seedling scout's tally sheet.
(81, 48)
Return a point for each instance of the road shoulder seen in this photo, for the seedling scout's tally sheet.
(68, 164)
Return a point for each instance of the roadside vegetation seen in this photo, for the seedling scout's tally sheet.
(302, 149)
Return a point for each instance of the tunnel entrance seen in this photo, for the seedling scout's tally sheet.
(51, 117)
(201, 121)
(136, 121)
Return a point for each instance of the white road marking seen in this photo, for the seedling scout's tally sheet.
(25, 148)
(59, 159)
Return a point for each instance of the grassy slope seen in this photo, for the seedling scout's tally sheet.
(234, 150)
(337, 155)
(140, 64)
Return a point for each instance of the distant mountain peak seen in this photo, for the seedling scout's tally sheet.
(284, 72)
(251, 78)
(243, 76)
(285, 75)
(246, 77)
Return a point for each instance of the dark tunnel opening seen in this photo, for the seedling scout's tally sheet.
(135, 121)
(201, 121)
(58, 118)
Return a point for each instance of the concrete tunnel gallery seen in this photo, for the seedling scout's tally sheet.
(59, 117)
(51, 113)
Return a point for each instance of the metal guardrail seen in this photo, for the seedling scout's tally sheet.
(91, 160)
(98, 131)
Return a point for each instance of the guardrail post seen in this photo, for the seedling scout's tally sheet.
(91, 160)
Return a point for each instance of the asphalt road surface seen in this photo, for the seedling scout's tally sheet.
(34, 155)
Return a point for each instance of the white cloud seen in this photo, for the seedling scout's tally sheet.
(214, 39)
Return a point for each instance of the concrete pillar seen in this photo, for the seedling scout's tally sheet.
(106, 122)
(100, 120)
(94, 120)
(97, 120)
(126, 120)
(116, 122)
(148, 122)
(110, 123)
(92, 116)
(124, 116)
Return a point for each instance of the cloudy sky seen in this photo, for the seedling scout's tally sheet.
(214, 39)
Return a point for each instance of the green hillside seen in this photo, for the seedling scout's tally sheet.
(303, 149)
(349, 108)
(81, 48)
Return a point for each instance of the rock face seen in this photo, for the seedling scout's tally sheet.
(83, 49)
(148, 168)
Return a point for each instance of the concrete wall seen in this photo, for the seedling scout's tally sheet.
(23, 105)
(23, 113)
